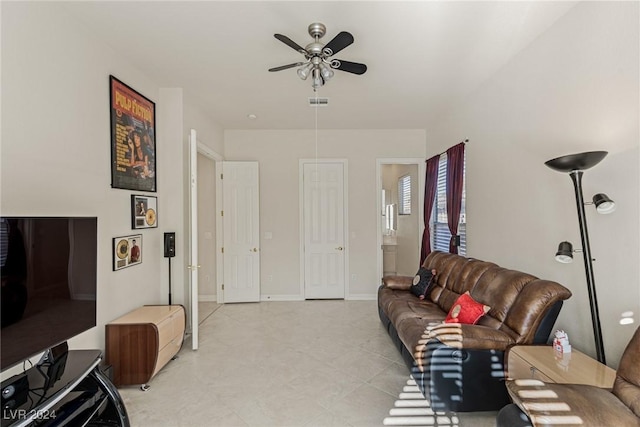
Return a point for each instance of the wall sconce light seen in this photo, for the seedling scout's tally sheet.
(574, 164)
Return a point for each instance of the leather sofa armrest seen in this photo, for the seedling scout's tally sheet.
(402, 283)
(465, 336)
(579, 404)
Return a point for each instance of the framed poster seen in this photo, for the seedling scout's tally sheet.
(144, 211)
(133, 138)
(127, 251)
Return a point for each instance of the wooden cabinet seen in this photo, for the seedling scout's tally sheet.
(141, 342)
(389, 255)
(545, 364)
(389, 260)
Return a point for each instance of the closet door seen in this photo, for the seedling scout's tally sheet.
(241, 218)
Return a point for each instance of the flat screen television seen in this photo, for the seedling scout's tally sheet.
(49, 286)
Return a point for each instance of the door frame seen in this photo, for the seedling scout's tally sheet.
(193, 238)
(217, 159)
(422, 169)
(345, 209)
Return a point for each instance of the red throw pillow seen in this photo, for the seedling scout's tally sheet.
(466, 310)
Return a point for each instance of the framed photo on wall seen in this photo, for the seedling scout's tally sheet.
(144, 211)
(127, 251)
(133, 138)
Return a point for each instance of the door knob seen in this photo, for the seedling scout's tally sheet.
(253, 250)
(339, 248)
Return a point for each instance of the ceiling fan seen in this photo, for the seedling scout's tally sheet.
(318, 62)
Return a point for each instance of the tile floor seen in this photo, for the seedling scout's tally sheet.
(206, 309)
(307, 363)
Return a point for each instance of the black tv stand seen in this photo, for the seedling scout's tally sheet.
(81, 396)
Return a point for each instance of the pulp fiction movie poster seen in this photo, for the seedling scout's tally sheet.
(133, 139)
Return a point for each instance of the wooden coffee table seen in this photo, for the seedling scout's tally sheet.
(546, 364)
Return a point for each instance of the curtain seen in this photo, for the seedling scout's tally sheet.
(430, 187)
(455, 179)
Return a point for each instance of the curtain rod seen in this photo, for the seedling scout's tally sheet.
(445, 151)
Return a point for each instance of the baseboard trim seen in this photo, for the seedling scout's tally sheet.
(281, 298)
(208, 298)
(362, 297)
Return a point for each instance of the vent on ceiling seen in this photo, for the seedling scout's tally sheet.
(318, 102)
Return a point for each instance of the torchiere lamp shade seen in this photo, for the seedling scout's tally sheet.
(580, 161)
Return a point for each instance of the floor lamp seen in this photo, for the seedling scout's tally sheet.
(575, 164)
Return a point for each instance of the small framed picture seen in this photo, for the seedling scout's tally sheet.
(144, 211)
(127, 251)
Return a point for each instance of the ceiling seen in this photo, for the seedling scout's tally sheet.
(423, 57)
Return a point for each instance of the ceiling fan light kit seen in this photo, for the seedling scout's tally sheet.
(318, 63)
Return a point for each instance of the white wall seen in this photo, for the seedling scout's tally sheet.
(209, 132)
(278, 153)
(171, 209)
(56, 148)
(573, 89)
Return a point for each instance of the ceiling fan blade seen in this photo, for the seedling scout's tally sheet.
(339, 42)
(349, 67)
(285, 67)
(286, 40)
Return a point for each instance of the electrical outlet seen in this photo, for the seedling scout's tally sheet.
(353, 277)
(270, 278)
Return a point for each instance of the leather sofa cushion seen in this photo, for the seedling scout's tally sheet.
(587, 405)
(402, 283)
(627, 384)
(456, 275)
(413, 332)
(388, 297)
(460, 335)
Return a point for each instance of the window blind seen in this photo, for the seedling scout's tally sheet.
(440, 227)
(404, 195)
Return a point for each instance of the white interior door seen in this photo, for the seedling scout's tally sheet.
(193, 238)
(324, 230)
(241, 217)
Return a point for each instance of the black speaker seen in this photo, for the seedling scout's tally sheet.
(169, 245)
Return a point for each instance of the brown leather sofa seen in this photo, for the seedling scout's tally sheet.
(578, 404)
(460, 367)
